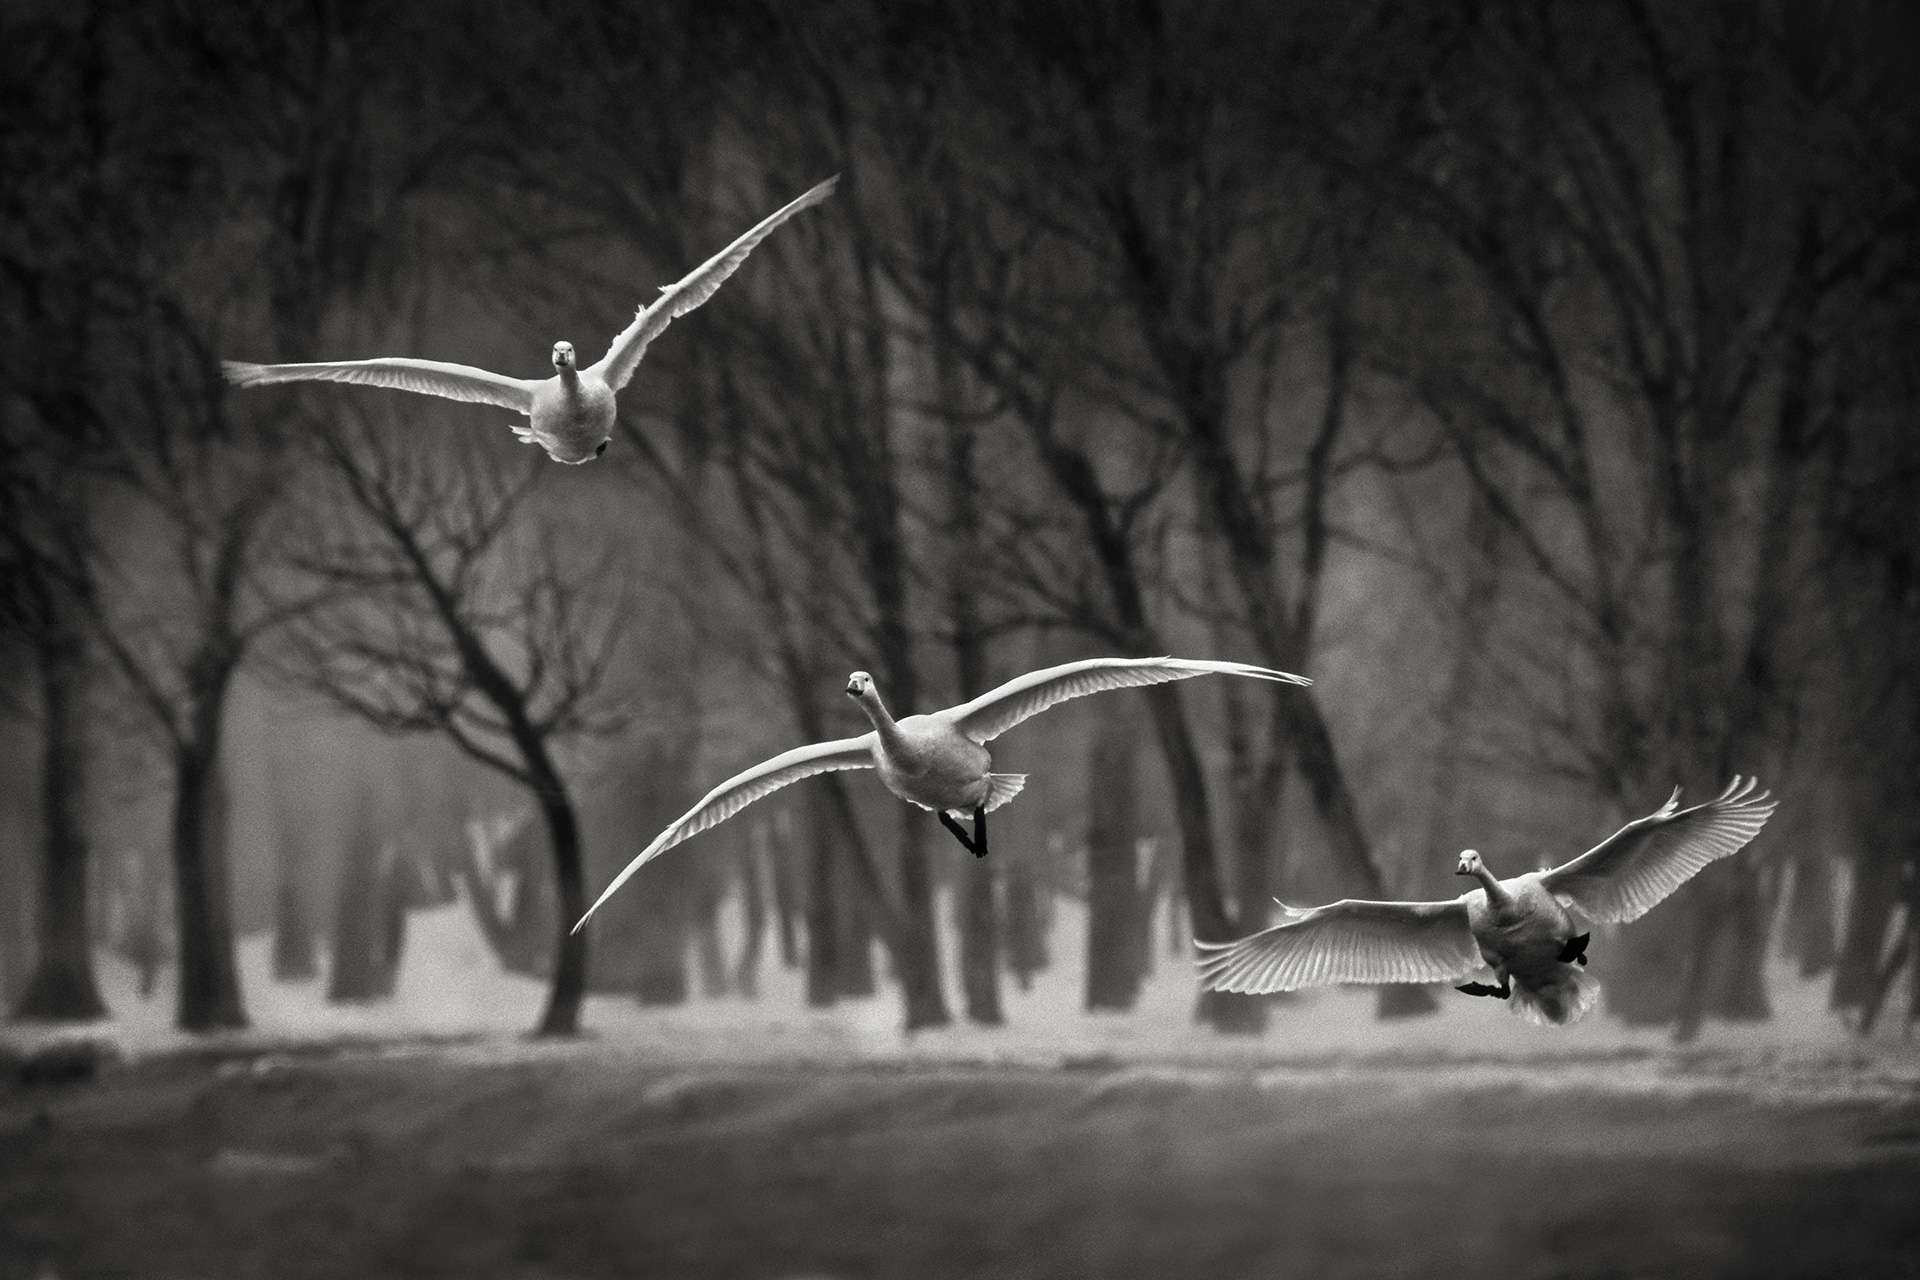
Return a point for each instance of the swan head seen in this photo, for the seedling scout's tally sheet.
(1469, 863)
(563, 355)
(859, 685)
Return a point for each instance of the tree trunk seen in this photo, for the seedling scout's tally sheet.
(1157, 879)
(979, 930)
(1255, 788)
(1026, 919)
(1113, 972)
(569, 985)
(17, 903)
(62, 986)
(294, 959)
(397, 886)
(788, 902)
(917, 959)
(353, 972)
(754, 869)
(1809, 939)
(714, 980)
(663, 978)
(823, 906)
(209, 980)
(1870, 912)
(979, 924)
(853, 975)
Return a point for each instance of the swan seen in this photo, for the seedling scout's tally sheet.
(1529, 928)
(936, 761)
(570, 414)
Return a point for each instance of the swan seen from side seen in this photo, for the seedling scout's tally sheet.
(938, 761)
(1531, 929)
(571, 414)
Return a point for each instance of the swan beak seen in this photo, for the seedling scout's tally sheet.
(853, 690)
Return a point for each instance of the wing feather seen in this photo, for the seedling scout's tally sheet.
(1634, 869)
(425, 377)
(1348, 941)
(623, 357)
(741, 790)
(998, 710)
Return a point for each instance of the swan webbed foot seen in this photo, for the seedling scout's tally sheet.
(1501, 992)
(1575, 952)
(978, 850)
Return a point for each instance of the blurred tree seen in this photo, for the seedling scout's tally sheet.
(1113, 967)
(1635, 208)
(783, 865)
(755, 905)
(294, 959)
(355, 961)
(52, 231)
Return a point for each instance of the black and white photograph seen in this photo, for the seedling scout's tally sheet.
(1043, 640)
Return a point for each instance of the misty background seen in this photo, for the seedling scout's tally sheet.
(1538, 380)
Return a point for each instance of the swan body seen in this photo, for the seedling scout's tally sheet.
(937, 761)
(570, 414)
(926, 762)
(1531, 929)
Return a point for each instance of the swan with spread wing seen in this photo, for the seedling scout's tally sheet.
(937, 761)
(1531, 929)
(571, 414)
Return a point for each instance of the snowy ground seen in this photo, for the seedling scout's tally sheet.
(426, 1136)
(451, 989)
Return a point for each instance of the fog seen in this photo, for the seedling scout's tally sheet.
(1538, 381)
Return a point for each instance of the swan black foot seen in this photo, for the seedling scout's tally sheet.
(1501, 992)
(1575, 952)
(976, 844)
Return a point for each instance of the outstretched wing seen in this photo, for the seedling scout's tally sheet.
(427, 377)
(998, 710)
(741, 790)
(623, 357)
(1627, 874)
(1347, 941)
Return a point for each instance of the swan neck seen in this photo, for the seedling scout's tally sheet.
(1497, 894)
(570, 377)
(882, 721)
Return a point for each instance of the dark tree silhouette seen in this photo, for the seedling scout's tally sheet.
(466, 620)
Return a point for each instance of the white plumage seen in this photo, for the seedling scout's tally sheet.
(937, 761)
(571, 414)
(1528, 928)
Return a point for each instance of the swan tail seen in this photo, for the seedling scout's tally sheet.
(1002, 787)
(1563, 998)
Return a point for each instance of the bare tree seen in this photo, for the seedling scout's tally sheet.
(1662, 317)
(471, 616)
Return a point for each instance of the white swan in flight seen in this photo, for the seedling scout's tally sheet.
(937, 761)
(570, 414)
(1528, 928)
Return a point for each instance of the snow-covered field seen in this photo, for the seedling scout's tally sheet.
(425, 1135)
(452, 997)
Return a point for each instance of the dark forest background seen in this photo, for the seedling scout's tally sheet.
(1539, 378)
